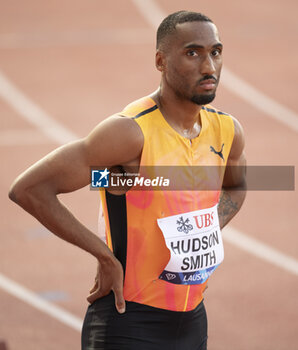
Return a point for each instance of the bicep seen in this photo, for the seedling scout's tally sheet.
(113, 142)
(63, 170)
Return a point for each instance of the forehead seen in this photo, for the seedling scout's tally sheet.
(199, 33)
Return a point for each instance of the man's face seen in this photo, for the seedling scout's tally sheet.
(193, 61)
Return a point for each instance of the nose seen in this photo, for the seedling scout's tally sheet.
(208, 66)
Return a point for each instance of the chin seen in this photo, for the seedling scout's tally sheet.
(203, 99)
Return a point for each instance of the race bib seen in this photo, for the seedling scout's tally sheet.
(195, 242)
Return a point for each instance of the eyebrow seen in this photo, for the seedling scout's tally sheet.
(196, 46)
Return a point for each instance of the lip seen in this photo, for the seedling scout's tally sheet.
(208, 84)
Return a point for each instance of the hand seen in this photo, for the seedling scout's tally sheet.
(109, 277)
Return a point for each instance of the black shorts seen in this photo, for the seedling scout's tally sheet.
(143, 327)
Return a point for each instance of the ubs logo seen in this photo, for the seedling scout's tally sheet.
(204, 220)
(183, 225)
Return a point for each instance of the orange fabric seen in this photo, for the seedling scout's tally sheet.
(147, 254)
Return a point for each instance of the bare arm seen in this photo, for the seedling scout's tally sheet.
(115, 141)
(234, 186)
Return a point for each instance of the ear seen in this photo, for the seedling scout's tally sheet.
(160, 61)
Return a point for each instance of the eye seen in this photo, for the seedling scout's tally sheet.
(192, 53)
(216, 52)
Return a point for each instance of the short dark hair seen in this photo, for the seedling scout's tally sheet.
(168, 25)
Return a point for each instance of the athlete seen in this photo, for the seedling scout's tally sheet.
(161, 246)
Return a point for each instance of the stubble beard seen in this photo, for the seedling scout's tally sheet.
(202, 99)
(197, 99)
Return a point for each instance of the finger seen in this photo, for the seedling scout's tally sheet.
(94, 295)
(119, 299)
(93, 289)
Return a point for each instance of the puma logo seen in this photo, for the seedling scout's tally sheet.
(219, 153)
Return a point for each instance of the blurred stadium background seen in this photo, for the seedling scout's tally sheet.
(65, 66)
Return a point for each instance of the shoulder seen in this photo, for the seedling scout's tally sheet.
(116, 140)
(139, 108)
(116, 126)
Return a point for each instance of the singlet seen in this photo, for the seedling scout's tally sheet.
(138, 224)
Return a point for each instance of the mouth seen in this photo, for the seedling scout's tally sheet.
(208, 84)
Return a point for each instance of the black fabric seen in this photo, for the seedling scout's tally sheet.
(116, 206)
(146, 111)
(213, 111)
(143, 327)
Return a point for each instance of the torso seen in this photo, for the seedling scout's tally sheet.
(131, 219)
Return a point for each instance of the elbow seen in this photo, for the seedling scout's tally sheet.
(30, 197)
(12, 194)
(23, 197)
(16, 193)
(22, 193)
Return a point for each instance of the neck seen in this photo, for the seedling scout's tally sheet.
(182, 115)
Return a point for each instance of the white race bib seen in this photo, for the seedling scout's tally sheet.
(195, 242)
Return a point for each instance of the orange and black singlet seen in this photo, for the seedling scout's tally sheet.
(169, 242)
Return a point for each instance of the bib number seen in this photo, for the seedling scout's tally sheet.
(195, 242)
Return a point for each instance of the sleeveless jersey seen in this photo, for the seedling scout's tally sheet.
(139, 225)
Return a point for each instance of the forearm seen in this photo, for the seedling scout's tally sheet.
(230, 203)
(48, 210)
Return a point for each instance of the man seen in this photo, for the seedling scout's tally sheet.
(157, 280)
